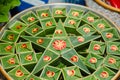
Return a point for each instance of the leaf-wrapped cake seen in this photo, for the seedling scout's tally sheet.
(60, 42)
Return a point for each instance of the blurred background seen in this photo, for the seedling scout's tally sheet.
(29, 3)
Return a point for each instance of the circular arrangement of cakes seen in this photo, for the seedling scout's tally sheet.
(60, 42)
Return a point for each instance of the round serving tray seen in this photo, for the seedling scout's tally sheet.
(51, 6)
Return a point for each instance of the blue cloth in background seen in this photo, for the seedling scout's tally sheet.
(81, 2)
(24, 5)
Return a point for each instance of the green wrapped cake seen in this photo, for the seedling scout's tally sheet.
(60, 42)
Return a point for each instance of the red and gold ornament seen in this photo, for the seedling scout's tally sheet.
(11, 37)
(96, 47)
(104, 74)
(8, 48)
(19, 73)
(40, 41)
(11, 61)
(46, 58)
(93, 60)
(70, 72)
(34, 30)
(86, 30)
(80, 39)
(111, 60)
(101, 26)
(31, 19)
(24, 45)
(50, 73)
(74, 58)
(109, 35)
(75, 14)
(59, 44)
(29, 57)
(18, 26)
(113, 48)
(72, 22)
(58, 31)
(44, 15)
(58, 12)
(49, 23)
(90, 19)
